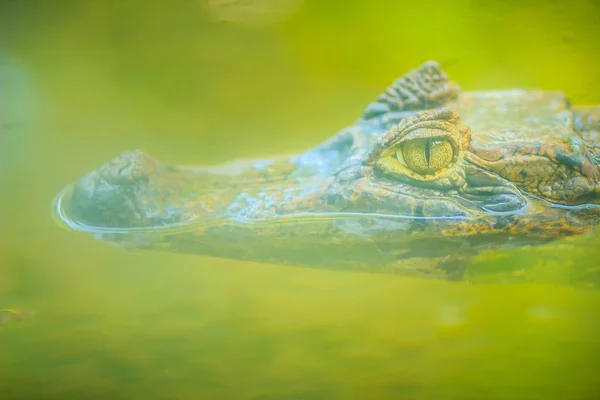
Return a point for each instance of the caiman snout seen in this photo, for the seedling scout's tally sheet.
(123, 193)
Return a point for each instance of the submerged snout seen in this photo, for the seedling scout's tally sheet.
(133, 190)
(136, 191)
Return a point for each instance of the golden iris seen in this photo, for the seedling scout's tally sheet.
(426, 155)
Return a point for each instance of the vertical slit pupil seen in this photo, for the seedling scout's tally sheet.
(428, 151)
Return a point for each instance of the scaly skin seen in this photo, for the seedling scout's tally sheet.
(427, 176)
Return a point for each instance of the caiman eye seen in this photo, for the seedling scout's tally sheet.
(425, 155)
(427, 147)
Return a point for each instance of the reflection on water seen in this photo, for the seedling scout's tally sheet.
(111, 323)
(254, 12)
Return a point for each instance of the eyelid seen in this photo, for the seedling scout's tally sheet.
(398, 153)
(424, 133)
(432, 136)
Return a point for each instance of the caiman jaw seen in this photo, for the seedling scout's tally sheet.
(137, 192)
(126, 193)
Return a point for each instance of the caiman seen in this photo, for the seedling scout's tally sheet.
(427, 176)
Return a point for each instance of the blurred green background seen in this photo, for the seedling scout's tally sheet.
(203, 82)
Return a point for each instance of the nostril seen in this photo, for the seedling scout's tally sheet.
(127, 168)
(118, 193)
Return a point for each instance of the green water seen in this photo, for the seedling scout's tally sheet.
(193, 84)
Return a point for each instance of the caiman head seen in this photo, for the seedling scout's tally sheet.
(426, 174)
